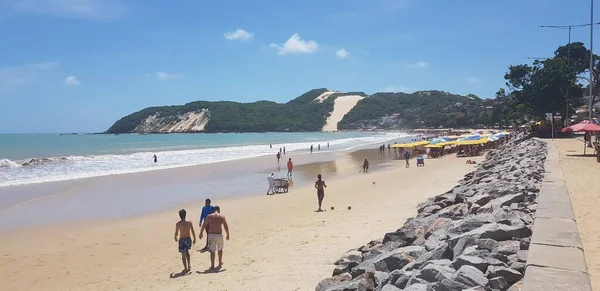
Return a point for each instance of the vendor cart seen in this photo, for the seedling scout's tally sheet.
(281, 185)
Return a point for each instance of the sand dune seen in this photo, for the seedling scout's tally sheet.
(341, 106)
(324, 96)
(190, 121)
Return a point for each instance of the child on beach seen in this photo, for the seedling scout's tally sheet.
(320, 186)
(184, 227)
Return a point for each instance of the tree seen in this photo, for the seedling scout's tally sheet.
(549, 85)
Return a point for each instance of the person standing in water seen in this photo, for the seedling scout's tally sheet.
(278, 156)
(327, 144)
(284, 150)
(311, 148)
(183, 228)
(320, 186)
(319, 147)
(155, 158)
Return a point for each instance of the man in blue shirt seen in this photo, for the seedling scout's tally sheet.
(206, 210)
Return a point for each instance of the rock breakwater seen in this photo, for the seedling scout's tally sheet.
(473, 237)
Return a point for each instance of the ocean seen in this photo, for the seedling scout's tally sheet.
(36, 158)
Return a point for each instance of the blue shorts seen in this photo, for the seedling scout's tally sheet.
(185, 244)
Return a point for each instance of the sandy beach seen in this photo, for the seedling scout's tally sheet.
(581, 174)
(277, 242)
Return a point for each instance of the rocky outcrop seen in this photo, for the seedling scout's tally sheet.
(188, 122)
(473, 237)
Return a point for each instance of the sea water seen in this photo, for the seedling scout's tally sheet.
(37, 158)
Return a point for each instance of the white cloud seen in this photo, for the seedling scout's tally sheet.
(239, 34)
(72, 81)
(473, 80)
(11, 77)
(296, 45)
(79, 9)
(166, 76)
(342, 53)
(418, 65)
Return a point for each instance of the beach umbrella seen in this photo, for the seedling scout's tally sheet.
(474, 142)
(584, 126)
(403, 145)
(439, 145)
(473, 137)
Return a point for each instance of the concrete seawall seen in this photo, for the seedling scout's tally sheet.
(556, 259)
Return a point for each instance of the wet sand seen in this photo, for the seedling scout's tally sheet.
(581, 175)
(277, 242)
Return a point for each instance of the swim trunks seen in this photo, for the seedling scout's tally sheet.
(185, 244)
(320, 194)
(215, 242)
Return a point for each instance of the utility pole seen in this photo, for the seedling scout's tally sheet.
(591, 57)
(569, 28)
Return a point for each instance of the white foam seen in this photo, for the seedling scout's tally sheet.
(41, 170)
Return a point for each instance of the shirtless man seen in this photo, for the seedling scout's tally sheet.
(216, 222)
(320, 186)
(183, 227)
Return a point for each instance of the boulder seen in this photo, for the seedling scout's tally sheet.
(404, 237)
(358, 285)
(511, 276)
(398, 258)
(351, 256)
(399, 278)
(522, 256)
(439, 253)
(390, 287)
(340, 269)
(487, 244)
(414, 280)
(516, 286)
(326, 283)
(443, 262)
(362, 268)
(509, 247)
(435, 273)
(525, 243)
(418, 287)
(469, 276)
(498, 283)
(518, 266)
(476, 262)
(380, 278)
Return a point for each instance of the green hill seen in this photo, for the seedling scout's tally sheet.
(305, 113)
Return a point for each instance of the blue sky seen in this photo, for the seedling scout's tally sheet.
(79, 65)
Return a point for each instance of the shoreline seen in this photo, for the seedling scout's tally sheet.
(277, 241)
(138, 193)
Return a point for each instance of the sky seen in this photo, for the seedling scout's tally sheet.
(80, 65)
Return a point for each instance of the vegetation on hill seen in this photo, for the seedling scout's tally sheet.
(300, 114)
(423, 109)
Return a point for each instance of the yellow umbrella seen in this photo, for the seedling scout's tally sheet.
(403, 145)
(439, 145)
(473, 142)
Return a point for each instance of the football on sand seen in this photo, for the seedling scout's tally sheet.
(332, 208)
(349, 207)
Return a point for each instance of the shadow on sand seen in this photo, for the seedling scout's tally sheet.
(180, 274)
(212, 271)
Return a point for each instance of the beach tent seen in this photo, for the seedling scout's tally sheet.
(473, 137)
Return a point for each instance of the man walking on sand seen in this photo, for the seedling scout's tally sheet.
(214, 225)
(290, 167)
(206, 211)
(185, 242)
(320, 186)
(407, 158)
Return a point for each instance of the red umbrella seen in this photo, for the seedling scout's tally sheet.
(585, 126)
